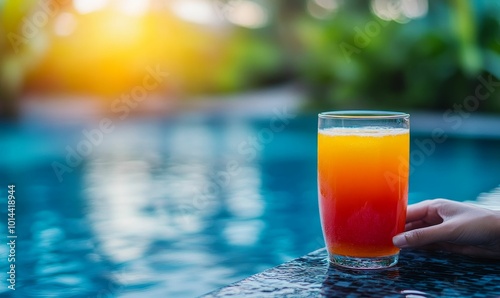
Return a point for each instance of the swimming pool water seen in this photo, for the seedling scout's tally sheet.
(180, 207)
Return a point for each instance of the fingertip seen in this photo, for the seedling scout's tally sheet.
(400, 240)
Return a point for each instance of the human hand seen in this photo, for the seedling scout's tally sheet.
(452, 226)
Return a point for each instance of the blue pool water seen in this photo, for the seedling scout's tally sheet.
(180, 207)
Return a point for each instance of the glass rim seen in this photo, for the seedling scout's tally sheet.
(363, 115)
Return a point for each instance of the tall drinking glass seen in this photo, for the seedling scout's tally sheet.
(363, 165)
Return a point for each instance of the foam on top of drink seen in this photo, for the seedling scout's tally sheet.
(367, 131)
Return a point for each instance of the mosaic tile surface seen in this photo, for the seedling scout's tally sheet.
(418, 274)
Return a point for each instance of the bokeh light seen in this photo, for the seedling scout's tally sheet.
(401, 11)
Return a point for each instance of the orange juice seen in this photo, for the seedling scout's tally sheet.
(363, 187)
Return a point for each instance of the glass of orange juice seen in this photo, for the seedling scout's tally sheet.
(363, 165)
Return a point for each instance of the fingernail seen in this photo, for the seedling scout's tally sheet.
(400, 240)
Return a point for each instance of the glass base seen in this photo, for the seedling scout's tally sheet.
(363, 263)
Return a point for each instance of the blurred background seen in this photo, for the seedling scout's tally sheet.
(168, 147)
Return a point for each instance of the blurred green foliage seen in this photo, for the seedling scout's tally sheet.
(251, 61)
(353, 59)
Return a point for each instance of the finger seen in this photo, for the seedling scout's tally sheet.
(427, 210)
(417, 211)
(425, 236)
(422, 223)
(416, 225)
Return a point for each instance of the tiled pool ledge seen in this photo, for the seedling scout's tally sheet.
(418, 274)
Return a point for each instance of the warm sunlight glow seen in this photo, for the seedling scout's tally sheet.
(110, 46)
(88, 6)
(65, 24)
(133, 7)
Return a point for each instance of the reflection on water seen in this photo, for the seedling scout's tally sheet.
(181, 207)
(166, 205)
